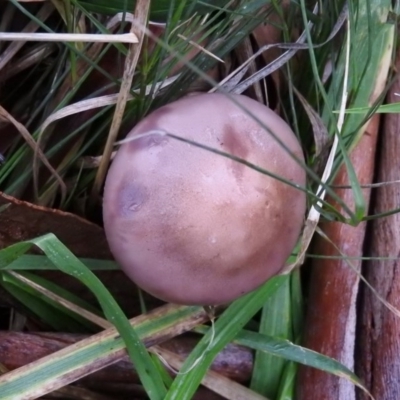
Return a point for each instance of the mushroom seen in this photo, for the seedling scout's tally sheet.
(190, 226)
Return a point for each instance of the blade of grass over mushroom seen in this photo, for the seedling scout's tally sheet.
(60, 256)
(225, 329)
(311, 173)
(257, 168)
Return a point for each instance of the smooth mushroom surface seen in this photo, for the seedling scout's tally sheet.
(190, 226)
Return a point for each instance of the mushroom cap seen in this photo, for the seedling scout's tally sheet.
(193, 227)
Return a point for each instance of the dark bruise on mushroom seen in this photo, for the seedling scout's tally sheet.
(193, 227)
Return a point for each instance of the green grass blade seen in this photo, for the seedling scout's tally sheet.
(56, 314)
(80, 359)
(383, 109)
(290, 351)
(226, 328)
(158, 11)
(28, 262)
(275, 321)
(61, 257)
(11, 253)
(40, 308)
(370, 53)
(288, 382)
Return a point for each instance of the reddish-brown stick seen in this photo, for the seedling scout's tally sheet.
(378, 353)
(331, 317)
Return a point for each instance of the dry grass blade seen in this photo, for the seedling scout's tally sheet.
(320, 131)
(314, 214)
(140, 20)
(201, 48)
(368, 186)
(26, 61)
(212, 380)
(285, 57)
(32, 26)
(31, 142)
(231, 80)
(97, 102)
(69, 37)
(63, 302)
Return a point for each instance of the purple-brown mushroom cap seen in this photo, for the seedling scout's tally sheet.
(190, 226)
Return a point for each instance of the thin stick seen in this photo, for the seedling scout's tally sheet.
(140, 19)
(69, 37)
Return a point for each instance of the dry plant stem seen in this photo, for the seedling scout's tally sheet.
(379, 331)
(13, 48)
(331, 319)
(234, 362)
(35, 56)
(60, 300)
(141, 12)
(244, 52)
(97, 102)
(4, 114)
(68, 37)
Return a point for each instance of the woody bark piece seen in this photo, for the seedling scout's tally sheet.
(331, 317)
(20, 220)
(378, 353)
(18, 349)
